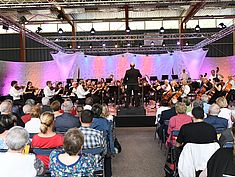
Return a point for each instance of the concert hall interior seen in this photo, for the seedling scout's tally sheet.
(117, 88)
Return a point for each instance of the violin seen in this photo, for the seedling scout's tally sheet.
(17, 87)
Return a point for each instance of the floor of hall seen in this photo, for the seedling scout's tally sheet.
(141, 155)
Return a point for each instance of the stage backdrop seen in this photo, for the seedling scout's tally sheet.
(73, 65)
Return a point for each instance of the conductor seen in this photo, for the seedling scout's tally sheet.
(131, 80)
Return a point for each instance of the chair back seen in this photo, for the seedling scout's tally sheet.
(228, 145)
(43, 151)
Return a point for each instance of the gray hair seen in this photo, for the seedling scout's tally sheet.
(197, 103)
(27, 108)
(30, 102)
(205, 98)
(6, 107)
(214, 109)
(17, 137)
(67, 106)
(45, 101)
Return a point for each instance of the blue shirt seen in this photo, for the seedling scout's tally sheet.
(218, 122)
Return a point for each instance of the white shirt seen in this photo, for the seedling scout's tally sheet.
(166, 88)
(15, 93)
(48, 92)
(226, 113)
(186, 90)
(33, 126)
(159, 112)
(81, 93)
(231, 82)
(184, 76)
(17, 165)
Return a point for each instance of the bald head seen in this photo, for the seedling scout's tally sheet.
(214, 109)
(132, 65)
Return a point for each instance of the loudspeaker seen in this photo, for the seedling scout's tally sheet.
(131, 111)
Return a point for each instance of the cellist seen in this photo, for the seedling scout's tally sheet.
(229, 89)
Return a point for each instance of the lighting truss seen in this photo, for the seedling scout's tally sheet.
(77, 3)
(215, 37)
(36, 37)
(149, 36)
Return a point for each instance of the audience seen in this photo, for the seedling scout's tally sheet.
(33, 126)
(13, 162)
(88, 103)
(206, 106)
(105, 113)
(27, 110)
(218, 122)
(46, 138)
(55, 106)
(70, 161)
(162, 107)
(46, 105)
(66, 120)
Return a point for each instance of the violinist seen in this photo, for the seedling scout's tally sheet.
(215, 91)
(30, 91)
(81, 93)
(49, 90)
(16, 92)
(97, 93)
(59, 89)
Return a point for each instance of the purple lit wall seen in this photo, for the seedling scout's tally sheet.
(67, 65)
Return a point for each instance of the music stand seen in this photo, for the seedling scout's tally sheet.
(153, 78)
(174, 77)
(108, 80)
(164, 77)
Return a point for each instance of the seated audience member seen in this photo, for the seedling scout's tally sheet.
(162, 107)
(13, 162)
(177, 121)
(226, 135)
(46, 105)
(66, 120)
(30, 102)
(46, 138)
(92, 138)
(55, 106)
(218, 122)
(198, 131)
(6, 109)
(222, 162)
(70, 161)
(105, 113)
(206, 106)
(27, 110)
(6, 122)
(33, 126)
(187, 102)
(224, 111)
(195, 104)
(88, 103)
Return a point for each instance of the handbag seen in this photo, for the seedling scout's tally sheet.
(117, 146)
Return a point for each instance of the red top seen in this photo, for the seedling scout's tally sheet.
(47, 142)
(25, 118)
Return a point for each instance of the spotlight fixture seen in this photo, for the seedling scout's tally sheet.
(162, 30)
(152, 43)
(39, 30)
(69, 46)
(178, 43)
(128, 30)
(92, 31)
(61, 16)
(104, 45)
(23, 20)
(197, 28)
(90, 46)
(78, 46)
(186, 43)
(128, 44)
(163, 44)
(60, 31)
(222, 25)
(140, 45)
(5, 27)
(116, 46)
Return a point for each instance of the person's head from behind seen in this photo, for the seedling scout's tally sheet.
(197, 103)
(164, 102)
(27, 109)
(214, 110)
(105, 111)
(67, 106)
(180, 108)
(198, 113)
(47, 122)
(45, 101)
(187, 101)
(17, 138)
(132, 65)
(97, 110)
(30, 102)
(7, 122)
(55, 106)
(73, 141)
(35, 111)
(205, 98)
(89, 101)
(6, 107)
(222, 102)
(87, 117)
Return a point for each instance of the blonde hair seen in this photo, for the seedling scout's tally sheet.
(222, 102)
(105, 111)
(47, 118)
(180, 108)
(35, 111)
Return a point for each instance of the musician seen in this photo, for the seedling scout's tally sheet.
(59, 89)
(212, 76)
(229, 89)
(185, 87)
(184, 75)
(216, 91)
(166, 87)
(49, 90)
(15, 92)
(81, 93)
(30, 91)
(131, 81)
(97, 93)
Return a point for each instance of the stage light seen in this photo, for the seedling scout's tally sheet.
(128, 44)
(69, 46)
(38, 30)
(178, 43)
(78, 46)
(186, 43)
(128, 30)
(162, 30)
(5, 27)
(222, 25)
(152, 43)
(104, 45)
(92, 31)
(61, 16)
(116, 46)
(163, 44)
(197, 28)
(90, 46)
(60, 31)
(23, 20)
(140, 45)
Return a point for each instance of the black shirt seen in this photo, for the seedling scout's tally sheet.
(198, 132)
